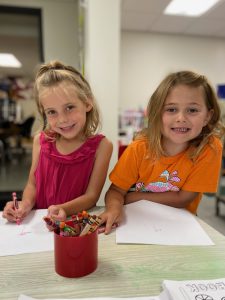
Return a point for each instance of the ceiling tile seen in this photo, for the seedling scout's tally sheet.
(147, 15)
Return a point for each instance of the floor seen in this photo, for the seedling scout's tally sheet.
(13, 177)
(206, 212)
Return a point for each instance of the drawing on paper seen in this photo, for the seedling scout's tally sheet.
(23, 232)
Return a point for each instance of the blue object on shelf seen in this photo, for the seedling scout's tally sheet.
(221, 91)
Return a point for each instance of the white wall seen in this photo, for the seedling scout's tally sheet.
(147, 58)
(102, 66)
(60, 36)
(60, 27)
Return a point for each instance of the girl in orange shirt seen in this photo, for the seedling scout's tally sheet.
(178, 156)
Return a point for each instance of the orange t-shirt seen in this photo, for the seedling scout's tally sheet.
(172, 173)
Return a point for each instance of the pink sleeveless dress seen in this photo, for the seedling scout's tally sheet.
(61, 178)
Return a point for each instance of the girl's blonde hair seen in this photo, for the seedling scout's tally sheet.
(155, 108)
(54, 73)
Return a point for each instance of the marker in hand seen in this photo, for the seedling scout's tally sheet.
(16, 206)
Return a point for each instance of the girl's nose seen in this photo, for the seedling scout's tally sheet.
(62, 118)
(181, 117)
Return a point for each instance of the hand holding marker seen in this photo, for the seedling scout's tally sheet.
(77, 225)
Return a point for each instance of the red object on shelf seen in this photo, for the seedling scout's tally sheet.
(121, 149)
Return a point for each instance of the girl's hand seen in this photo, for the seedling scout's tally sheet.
(56, 213)
(110, 217)
(9, 212)
(12, 214)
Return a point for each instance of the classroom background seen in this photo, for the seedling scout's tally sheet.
(124, 48)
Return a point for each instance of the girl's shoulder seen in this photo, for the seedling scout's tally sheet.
(139, 145)
(215, 143)
(105, 142)
(104, 148)
(140, 142)
(37, 138)
(45, 141)
(92, 143)
(40, 136)
(94, 140)
(212, 150)
(98, 138)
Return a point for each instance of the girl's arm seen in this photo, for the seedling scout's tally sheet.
(116, 198)
(97, 180)
(113, 213)
(178, 199)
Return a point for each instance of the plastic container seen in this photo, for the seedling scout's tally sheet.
(76, 256)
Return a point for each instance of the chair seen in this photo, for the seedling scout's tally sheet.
(24, 131)
(2, 152)
(220, 199)
(26, 126)
(220, 196)
(16, 132)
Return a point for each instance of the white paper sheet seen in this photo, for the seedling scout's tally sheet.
(24, 297)
(147, 222)
(30, 236)
(195, 289)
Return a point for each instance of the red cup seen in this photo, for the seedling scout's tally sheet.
(76, 256)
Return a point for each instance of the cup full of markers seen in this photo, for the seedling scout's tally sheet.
(75, 244)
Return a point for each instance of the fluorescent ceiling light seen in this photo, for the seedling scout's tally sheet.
(9, 60)
(192, 8)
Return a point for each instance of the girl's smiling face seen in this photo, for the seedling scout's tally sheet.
(65, 112)
(184, 115)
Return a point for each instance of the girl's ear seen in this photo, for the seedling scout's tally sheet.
(209, 116)
(89, 105)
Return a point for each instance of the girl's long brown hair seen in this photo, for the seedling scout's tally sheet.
(155, 108)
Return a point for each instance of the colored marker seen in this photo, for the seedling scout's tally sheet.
(50, 223)
(77, 225)
(16, 206)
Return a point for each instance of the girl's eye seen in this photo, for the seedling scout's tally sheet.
(192, 110)
(69, 107)
(171, 109)
(50, 112)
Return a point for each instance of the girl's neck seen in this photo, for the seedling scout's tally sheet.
(173, 149)
(67, 146)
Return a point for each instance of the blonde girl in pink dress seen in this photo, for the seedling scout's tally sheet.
(70, 160)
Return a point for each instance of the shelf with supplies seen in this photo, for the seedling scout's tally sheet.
(131, 121)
